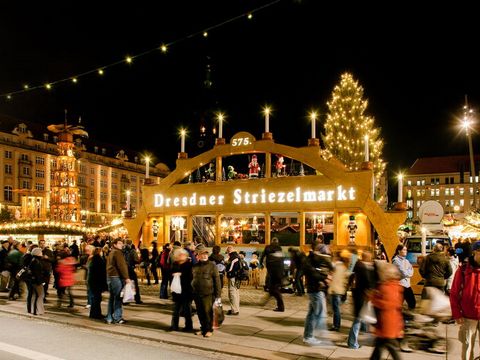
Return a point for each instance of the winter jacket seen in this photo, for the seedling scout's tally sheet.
(233, 266)
(316, 269)
(435, 269)
(116, 264)
(206, 280)
(37, 271)
(387, 301)
(465, 293)
(185, 280)
(405, 268)
(66, 272)
(340, 275)
(97, 274)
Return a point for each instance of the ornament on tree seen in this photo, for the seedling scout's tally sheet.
(279, 166)
(253, 168)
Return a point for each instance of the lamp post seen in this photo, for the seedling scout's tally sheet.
(467, 124)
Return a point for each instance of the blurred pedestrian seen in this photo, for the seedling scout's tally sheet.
(182, 267)
(387, 300)
(465, 301)
(97, 282)
(406, 272)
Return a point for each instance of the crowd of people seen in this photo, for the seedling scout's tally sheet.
(194, 277)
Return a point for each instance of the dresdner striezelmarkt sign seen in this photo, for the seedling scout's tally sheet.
(297, 195)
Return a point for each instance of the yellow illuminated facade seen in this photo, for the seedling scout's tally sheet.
(328, 199)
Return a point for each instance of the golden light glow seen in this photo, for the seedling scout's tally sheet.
(313, 115)
(220, 116)
(147, 159)
(9, 97)
(128, 59)
(267, 110)
(400, 176)
(74, 80)
(250, 16)
(48, 86)
(26, 87)
(100, 71)
(205, 34)
(128, 192)
(183, 132)
(163, 48)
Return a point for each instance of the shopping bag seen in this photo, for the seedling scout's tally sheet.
(176, 285)
(367, 313)
(128, 293)
(218, 315)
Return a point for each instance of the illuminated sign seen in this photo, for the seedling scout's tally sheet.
(242, 197)
(242, 138)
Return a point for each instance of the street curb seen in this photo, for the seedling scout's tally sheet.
(220, 348)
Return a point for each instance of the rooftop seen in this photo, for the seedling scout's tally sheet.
(442, 165)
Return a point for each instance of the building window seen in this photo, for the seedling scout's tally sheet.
(452, 191)
(471, 191)
(51, 175)
(447, 180)
(92, 194)
(103, 207)
(432, 181)
(8, 193)
(114, 175)
(40, 160)
(114, 208)
(25, 184)
(81, 180)
(92, 182)
(92, 205)
(92, 171)
(8, 154)
(447, 202)
(418, 193)
(432, 192)
(133, 178)
(409, 182)
(447, 191)
(114, 186)
(419, 203)
(39, 186)
(471, 202)
(39, 173)
(423, 182)
(54, 163)
(24, 157)
(418, 183)
(103, 172)
(26, 171)
(83, 192)
(409, 194)
(452, 180)
(437, 192)
(461, 190)
(103, 183)
(462, 202)
(8, 169)
(452, 204)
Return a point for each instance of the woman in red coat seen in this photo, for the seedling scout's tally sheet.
(66, 277)
(388, 300)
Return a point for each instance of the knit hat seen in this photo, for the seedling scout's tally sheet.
(200, 249)
(37, 252)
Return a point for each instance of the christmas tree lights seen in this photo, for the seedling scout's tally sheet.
(347, 128)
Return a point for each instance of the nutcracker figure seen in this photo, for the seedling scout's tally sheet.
(253, 168)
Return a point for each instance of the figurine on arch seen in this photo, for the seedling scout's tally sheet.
(210, 172)
(253, 168)
(280, 166)
(232, 174)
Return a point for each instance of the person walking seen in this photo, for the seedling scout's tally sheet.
(387, 300)
(182, 267)
(318, 266)
(37, 280)
(338, 290)
(154, 262)
(296, 268)
(165, 265)
(233, 267)
(406, 272)
(275, 269)
(206, 289)
(435, 269)
(363, 282)
(465, 301)
(117, 277)
(219, 261)
(97, 282)
(66, 277)
(132, 260)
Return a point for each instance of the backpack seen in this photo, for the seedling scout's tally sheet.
(24, 274)
(220, 267)
(243, 271)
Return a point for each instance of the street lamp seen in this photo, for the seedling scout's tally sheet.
(467, 123)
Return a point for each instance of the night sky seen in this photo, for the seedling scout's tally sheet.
(415, 64)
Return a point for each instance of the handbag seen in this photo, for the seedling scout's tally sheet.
(128, 293)
(218, 315)
(367, 313)
(176, 285)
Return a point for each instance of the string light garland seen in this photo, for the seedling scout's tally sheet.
(100, 70)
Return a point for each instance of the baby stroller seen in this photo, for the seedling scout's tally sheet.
(421, 328)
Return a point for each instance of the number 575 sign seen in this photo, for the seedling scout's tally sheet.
(242, 139)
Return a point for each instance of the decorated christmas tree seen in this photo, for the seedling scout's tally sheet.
(347, 127)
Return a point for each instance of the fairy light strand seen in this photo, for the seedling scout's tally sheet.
(129, 60)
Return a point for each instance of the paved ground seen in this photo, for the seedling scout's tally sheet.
(257, 332)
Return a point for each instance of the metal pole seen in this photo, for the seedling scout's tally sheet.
(472, 169)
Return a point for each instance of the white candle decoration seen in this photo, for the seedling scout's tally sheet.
(220, 126)
(267, 120)
(314, 119)
(128, 200)
(367, 150)
(400, 188)
(147, 167)
(182, 141)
